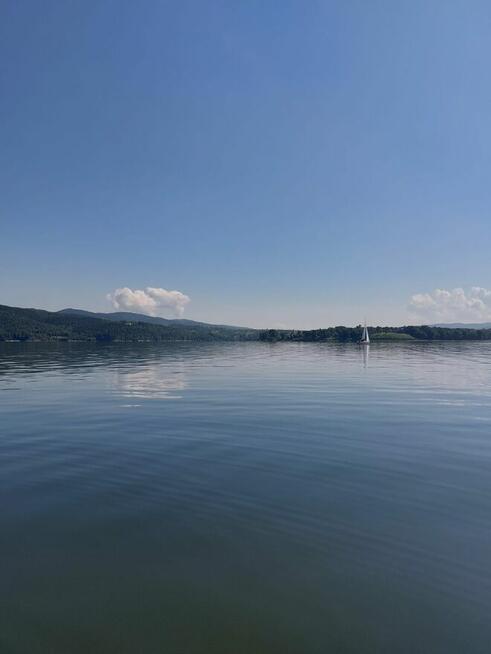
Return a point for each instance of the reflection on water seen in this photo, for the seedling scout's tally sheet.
(152, 381)
(264, 498)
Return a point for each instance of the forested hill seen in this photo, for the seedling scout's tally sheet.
(127, 316)
(38, 325)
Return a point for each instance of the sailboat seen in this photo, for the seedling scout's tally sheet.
(365, 338)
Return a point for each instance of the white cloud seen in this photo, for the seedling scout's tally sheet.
(454, 305)
(151, 301)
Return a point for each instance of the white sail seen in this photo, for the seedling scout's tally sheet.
(365, 337)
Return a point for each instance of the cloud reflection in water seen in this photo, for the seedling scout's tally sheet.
(153, 382)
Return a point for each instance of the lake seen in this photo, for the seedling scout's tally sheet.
(245, 498)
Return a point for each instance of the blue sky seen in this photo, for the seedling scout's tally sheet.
(280, 163)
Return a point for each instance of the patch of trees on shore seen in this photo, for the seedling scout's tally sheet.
(353, 334)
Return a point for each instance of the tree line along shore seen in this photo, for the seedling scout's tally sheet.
(36, 325)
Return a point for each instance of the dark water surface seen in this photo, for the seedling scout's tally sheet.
(245, 498)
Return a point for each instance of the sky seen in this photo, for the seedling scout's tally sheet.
(290, 164)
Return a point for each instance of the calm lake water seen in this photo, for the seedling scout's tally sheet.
(245, 498)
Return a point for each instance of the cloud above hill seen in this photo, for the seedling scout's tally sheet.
(150, 301)
(452, 305)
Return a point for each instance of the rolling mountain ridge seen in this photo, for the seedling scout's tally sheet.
(128, 316)
(464, 325)
(18, 324)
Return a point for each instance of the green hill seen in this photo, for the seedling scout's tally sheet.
(73, 325)
(128, 316)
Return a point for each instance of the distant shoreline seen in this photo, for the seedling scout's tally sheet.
(19, 325)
